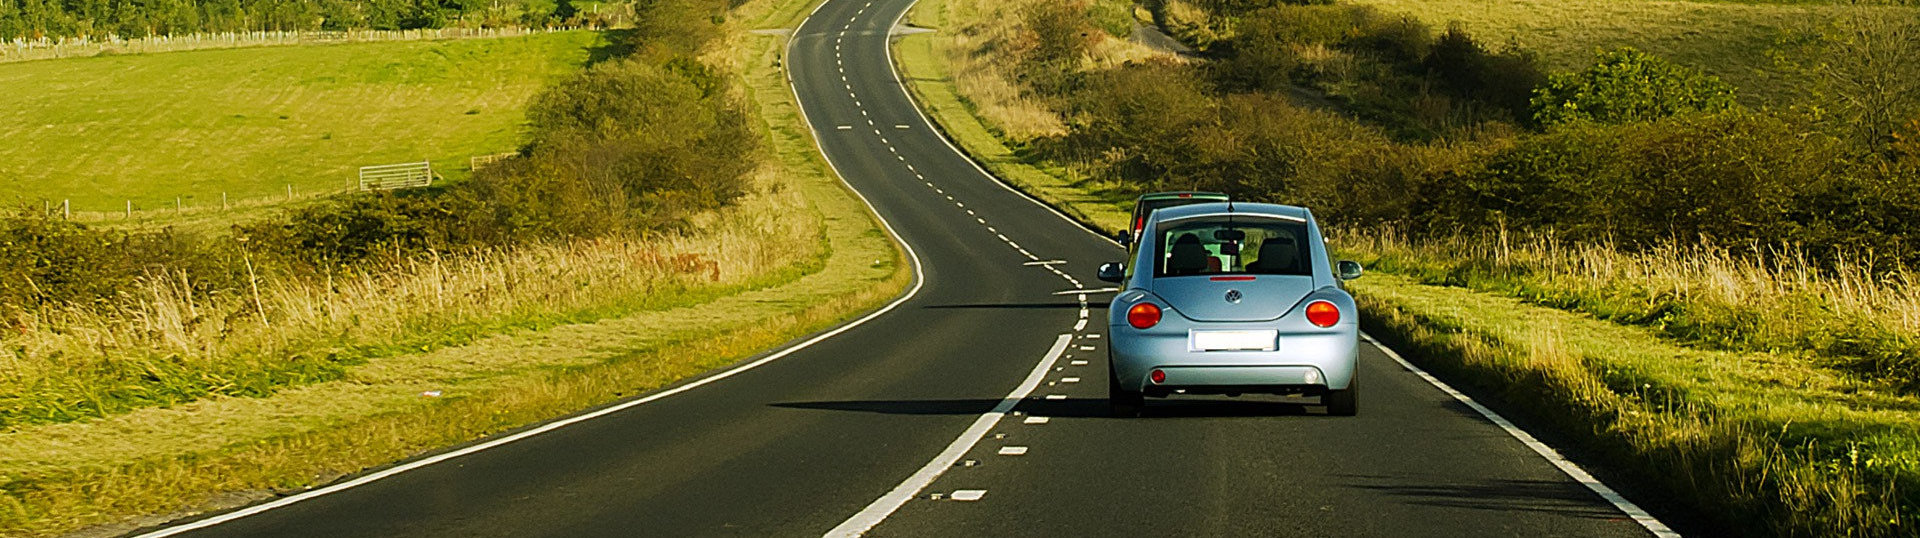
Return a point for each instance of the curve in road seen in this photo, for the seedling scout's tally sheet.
(974, 405)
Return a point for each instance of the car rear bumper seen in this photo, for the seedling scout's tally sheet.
(1312, 362)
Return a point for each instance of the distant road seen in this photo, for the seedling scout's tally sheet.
(864, 428)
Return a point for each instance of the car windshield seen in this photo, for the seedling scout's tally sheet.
(1240, 246)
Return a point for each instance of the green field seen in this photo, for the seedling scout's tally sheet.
(249, 122)
(1731, 40)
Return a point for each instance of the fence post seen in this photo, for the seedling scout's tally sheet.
(129, 209)
(289, 192)
(177, 205)
(223, 200)
(66, 209)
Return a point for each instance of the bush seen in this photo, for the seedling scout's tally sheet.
(1627, 85)
(1736, 177)
(623, 146)
(344, 231)
(1131, 121)
(1058, 37)
(1505, 80)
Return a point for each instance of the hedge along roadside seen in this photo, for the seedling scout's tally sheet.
(1715, 430)
(498, 383)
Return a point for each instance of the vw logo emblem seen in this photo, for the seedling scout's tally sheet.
(1233, 296)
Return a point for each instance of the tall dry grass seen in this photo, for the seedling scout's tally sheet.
(1755, 460)
(162, 343)
(1844, 314)
(983, 55)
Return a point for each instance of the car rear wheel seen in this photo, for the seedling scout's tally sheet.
(1120, 401)
(1344, 403)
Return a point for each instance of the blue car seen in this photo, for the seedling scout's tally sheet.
(1232, 298)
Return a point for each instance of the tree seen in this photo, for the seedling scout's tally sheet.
(1868, 63)
(1628, 85)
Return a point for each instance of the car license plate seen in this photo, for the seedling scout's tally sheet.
(1248, 340)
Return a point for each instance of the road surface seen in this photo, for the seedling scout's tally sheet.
(985, 388)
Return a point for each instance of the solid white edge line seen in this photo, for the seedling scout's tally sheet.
(878, 511)
(1572, 470)
(919, 281)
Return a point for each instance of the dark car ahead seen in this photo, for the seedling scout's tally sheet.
(1147, 203)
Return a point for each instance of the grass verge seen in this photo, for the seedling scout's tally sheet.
(1758, 443)
(1755, 440)
(105, 473)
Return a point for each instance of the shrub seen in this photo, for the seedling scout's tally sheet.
(663, 29)
(1265, 51)
(1058, 37)
(1627, 85)
(1734, 177)
(1505, 80)
(1131, 121)
(347, 230)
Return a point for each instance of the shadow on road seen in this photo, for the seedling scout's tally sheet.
(1063, 306)
(1545, 496)
(1072, 407)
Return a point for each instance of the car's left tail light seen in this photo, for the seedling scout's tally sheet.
(1143, 315)
(1323, 314)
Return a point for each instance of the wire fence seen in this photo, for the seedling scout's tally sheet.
(147, 208)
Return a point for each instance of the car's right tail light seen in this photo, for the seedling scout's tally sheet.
(1323, 314)
(1143, 315)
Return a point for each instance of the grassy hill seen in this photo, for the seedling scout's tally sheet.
(250, 122)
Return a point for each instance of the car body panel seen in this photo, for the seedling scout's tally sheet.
(1264, 298)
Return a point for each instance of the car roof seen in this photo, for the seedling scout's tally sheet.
(1239, 208)
(1181, 194)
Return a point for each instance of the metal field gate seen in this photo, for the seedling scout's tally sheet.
(396, 176)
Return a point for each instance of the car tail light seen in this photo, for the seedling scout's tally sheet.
(1158, 377)
(1139, 223)
(1323, 314)
(1143, 315)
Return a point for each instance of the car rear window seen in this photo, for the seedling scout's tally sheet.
(1241, 246)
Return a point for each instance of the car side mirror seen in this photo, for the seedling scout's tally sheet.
(1123, 237)
(1112, 272)
(1348, 269)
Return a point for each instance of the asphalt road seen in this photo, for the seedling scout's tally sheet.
(868, 427)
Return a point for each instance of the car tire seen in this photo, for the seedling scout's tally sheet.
(1121, 402)
(1344, 403)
